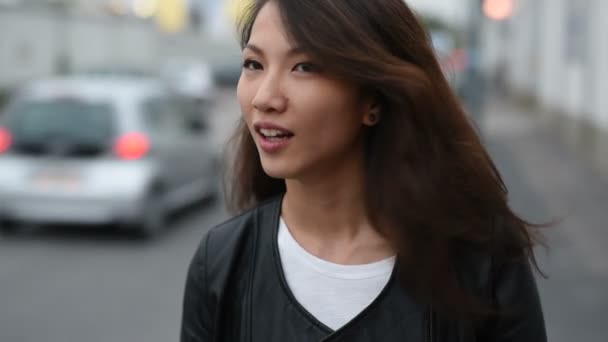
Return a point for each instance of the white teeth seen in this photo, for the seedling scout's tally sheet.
(271, 132)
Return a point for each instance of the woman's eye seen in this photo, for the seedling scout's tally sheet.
(306, 67)
(252, 65)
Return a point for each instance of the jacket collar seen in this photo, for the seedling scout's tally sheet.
(398, 312)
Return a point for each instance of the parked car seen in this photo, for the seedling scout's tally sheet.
(452, 59)
(102, 151)
(227, 74)
(190, 78)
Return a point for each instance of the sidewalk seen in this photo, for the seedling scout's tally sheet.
(548, 181)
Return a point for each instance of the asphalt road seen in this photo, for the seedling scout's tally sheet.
(547, 181)
(63, 285)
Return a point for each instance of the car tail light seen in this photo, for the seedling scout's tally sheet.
(6, 140)
(132, 146)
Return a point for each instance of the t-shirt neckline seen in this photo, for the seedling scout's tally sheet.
(379, 268)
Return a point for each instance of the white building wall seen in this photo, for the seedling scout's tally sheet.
(580, 69)
(454, 12)
(102, 42)
(599, 47)
(522, 70)
(563, 64)
(492, 48)
(542, 57)
(31, 41)
(26, 46)
(551, 74)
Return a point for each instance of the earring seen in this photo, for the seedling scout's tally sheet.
(372, 117)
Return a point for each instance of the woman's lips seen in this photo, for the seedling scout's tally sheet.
(272, 137)
(273, 144)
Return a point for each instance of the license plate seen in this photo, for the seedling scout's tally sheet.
(57, 180)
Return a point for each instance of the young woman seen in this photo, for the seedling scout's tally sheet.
(370, 209)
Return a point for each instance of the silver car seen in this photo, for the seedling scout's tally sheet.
(99, 151)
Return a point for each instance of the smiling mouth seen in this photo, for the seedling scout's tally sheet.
(273, 139)
(274, 134)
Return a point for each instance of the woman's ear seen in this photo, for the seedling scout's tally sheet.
(373, 110)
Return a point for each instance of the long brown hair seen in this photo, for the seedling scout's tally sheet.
(427, 172)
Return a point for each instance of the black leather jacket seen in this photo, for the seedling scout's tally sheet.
(236, 291)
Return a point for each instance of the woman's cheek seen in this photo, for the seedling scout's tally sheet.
(245, 99)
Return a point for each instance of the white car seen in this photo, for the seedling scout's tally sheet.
(102, 151)
(190, 78)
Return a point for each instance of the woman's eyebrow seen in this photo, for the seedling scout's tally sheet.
(254, 48)
(292, 51)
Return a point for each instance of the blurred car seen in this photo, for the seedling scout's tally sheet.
(190, 78)
(102, 151)
(227, 74)
(114, 71)
(453, 60)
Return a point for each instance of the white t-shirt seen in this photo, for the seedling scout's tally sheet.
(334, 294)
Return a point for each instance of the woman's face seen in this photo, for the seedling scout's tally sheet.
(303, 121)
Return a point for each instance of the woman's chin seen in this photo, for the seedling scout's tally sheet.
(275, 173)
(278, 171)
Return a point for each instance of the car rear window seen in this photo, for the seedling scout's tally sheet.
(65, 126)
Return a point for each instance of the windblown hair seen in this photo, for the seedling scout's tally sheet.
(429, 180)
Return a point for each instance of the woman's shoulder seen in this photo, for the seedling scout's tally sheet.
(229, 237)
(505, 279)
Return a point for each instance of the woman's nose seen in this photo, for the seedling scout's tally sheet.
(269, 96)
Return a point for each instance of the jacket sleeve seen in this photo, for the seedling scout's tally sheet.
(516, 297)
(196, 314)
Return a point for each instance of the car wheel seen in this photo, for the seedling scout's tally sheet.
(8, 227)
(154, 217)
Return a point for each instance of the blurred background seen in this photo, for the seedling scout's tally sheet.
(114, 115)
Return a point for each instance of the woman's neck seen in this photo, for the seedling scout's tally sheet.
(328, 217)
(325, 211)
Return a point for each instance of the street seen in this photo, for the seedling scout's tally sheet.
(64, 285)
(548, 182)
